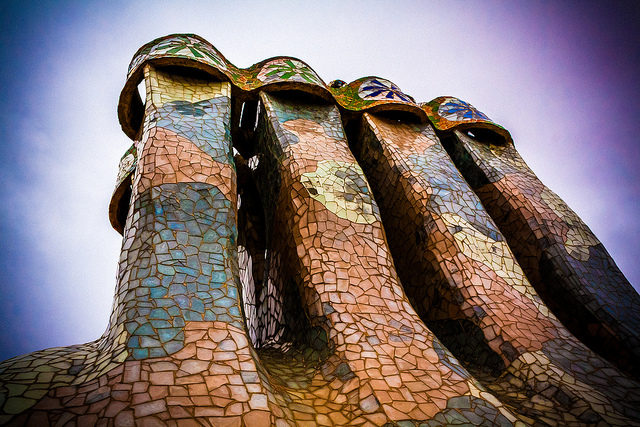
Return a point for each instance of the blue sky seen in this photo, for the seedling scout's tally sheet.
(561, 76)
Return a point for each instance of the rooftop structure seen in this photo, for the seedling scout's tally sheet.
(303, 253)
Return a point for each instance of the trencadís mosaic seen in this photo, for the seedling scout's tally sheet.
(299, 254)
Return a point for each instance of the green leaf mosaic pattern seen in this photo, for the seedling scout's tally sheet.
(271, 276)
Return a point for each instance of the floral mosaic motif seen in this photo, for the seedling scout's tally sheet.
(196, 48)
(334, 279)
(456, 110)
(381, 89)
(288, 69)
(348, 97)
(181, 46)
(447, 114)
(277, 70)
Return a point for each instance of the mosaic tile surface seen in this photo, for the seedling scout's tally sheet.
(348, 283)
(439, 229)
(277, 73)
(373, 94)
(560, 255)
(267, 277)
(448, 112)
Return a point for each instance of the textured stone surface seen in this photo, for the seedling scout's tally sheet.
(300, 254)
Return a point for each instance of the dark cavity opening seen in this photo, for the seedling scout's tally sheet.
(280, 331)
(485, 136)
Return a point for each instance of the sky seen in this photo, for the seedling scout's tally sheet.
(561, 76)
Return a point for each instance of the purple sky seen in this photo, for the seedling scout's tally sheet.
(562, 77)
